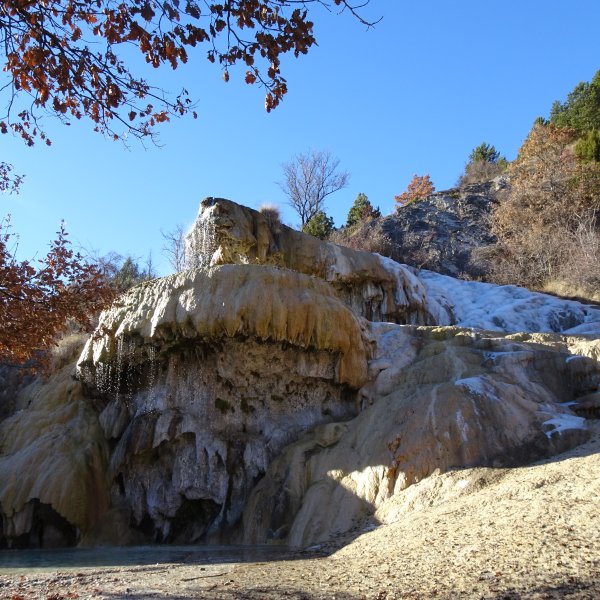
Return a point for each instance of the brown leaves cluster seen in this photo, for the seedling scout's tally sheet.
(419, 187)
(65, 55)
(542, 177)
(9, 181)
(38, 297)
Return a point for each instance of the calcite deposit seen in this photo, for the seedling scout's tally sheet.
(453, 398)
(208, 375)
(53, 458)
(282, 389)
(374, 287)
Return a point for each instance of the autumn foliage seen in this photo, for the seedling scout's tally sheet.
(38, 298)
(9, 182)
(66, 56)
(550, 186)
(547, 222)
(419, 187)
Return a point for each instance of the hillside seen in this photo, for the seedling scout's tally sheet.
(532, 221)
(444, 231)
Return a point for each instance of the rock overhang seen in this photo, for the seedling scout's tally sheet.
(265, 303)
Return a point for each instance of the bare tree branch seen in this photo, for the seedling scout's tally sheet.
(174, 248)
(308, 179)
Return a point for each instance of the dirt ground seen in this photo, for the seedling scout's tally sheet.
(531, 532)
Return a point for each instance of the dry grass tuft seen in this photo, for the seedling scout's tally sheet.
(272, 214)
(365, 238)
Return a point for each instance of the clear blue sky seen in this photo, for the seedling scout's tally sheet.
(413, 95)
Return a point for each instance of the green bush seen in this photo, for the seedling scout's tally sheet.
(361, 210)
(321, 226)
(484, 152)
(588, 147)
(485, 163)
(581, 110)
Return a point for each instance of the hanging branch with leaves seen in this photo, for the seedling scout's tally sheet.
(65, 56)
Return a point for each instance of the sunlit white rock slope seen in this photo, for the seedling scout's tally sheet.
(505, 308)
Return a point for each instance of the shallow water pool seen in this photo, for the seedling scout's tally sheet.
(67, 559)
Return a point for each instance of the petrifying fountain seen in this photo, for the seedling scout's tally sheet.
(285, 388)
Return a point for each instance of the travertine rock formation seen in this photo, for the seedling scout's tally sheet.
(504, 307)
(450, 399)
(293, 381)
(53, 459)
(372, 286)
(257, 302)
(221, 368)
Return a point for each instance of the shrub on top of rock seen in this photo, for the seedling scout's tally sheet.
(362, 210)
(419, 187)
(485, 163)
(271, 213)
(321, 226)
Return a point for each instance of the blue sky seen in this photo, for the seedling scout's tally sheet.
(414, 94)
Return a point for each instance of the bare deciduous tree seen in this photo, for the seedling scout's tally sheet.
(308, 179)
(174, 248)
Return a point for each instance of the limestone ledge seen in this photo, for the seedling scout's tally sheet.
(249, 301)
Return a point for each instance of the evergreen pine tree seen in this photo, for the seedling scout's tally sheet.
(361, 209)
(321, 226)
(588, 147)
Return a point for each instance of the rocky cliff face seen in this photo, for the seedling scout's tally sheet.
(444, 231)
(208, 375)
(285, 388)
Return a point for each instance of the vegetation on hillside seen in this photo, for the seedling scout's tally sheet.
(358, 232)
(319, 225)
(546, 224)
(485, 163)
(361, 211)
(547, 221)
(581, 109)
